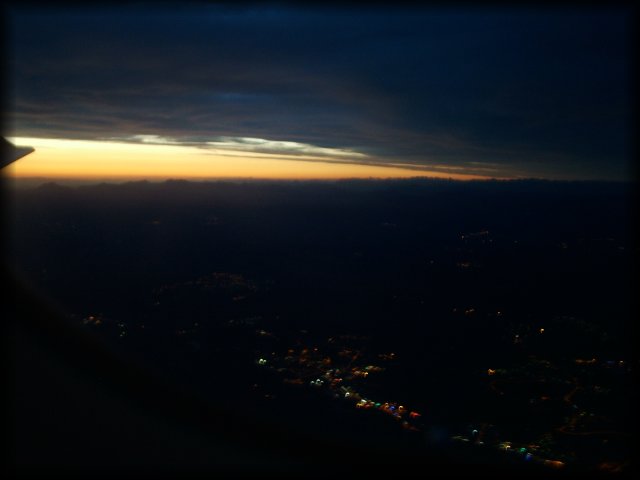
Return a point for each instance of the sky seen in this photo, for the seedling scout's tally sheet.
(277, 91)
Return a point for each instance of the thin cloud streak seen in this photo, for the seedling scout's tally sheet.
(262, 148)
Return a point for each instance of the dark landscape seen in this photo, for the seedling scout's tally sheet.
(482, 323)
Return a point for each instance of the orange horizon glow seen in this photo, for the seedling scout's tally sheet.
(92, 159)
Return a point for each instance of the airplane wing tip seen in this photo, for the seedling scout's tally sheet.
(11, 152)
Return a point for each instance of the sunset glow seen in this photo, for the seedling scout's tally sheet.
(75, 159)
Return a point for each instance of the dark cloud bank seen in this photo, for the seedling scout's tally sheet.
(517, 92)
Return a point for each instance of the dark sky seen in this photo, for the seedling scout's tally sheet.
(529, 92)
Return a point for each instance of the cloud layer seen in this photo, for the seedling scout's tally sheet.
(542, 93)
